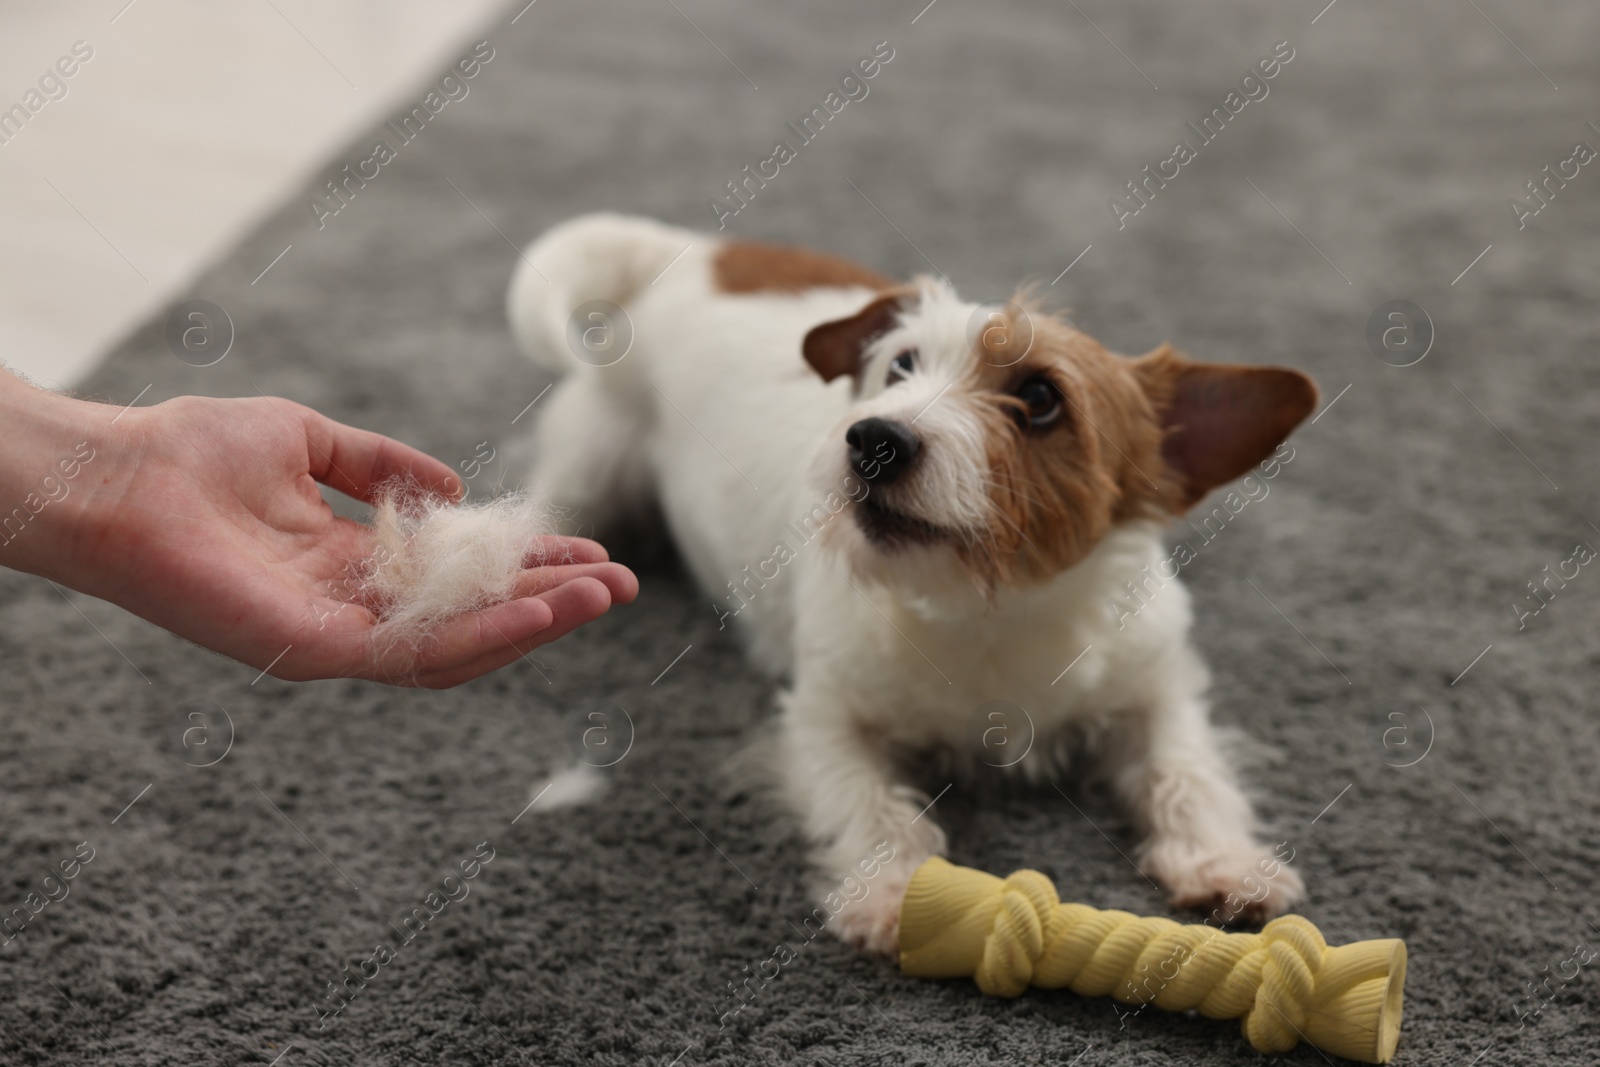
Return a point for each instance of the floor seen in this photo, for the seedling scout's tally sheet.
(180, 126)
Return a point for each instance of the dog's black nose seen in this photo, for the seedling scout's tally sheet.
(881, 450)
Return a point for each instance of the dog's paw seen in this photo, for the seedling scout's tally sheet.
(1249, 883)
(872, 924)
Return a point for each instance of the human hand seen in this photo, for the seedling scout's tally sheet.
(203, 516)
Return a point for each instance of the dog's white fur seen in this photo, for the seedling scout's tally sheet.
(714, 414)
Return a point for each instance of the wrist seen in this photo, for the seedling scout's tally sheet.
(58, 464)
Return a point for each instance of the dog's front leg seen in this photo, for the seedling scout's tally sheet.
(870, 831)
(1199, 831)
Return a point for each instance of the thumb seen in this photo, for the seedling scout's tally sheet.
(357, 462)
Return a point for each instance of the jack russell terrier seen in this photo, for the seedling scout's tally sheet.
(916, 507)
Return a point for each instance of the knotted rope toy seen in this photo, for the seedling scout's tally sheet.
(1285, 983)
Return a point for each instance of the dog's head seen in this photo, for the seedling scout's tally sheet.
(1011, 442)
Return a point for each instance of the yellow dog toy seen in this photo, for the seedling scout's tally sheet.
(1285, 984)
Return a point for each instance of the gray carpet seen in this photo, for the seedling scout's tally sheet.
(1387, 557)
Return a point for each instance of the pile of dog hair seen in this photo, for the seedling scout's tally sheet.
(433, 560)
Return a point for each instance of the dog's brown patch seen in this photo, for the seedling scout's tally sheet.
(1055, 493)
(1137, 439)
(753, 267)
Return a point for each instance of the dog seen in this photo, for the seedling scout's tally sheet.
(912, 506)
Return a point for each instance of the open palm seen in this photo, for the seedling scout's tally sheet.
(212, 526)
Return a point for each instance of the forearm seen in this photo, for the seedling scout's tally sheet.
(58, 456)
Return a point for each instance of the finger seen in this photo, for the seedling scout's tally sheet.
(556, 549)
(356, 462)
(579, 601)
(468, 637)
(617, 579)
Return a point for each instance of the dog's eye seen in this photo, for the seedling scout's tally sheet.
(1043, 402)
(901, 366)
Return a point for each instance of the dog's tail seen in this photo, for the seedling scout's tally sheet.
(601, 260)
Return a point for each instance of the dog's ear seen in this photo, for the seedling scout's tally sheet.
(834, 348)
(1220, 419)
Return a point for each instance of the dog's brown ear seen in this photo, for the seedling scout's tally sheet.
(834, 348)
(1220, 419)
